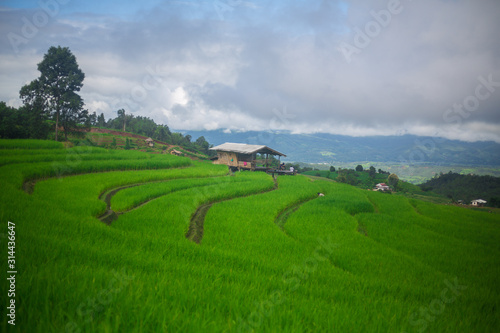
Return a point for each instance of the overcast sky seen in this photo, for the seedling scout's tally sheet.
(343, 67)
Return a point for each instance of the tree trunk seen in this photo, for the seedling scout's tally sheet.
(57, 123)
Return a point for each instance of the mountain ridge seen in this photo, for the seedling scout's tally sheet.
(331, 148)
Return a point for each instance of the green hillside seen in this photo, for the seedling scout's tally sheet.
(362, 178)
(466, 187)
(113, 240)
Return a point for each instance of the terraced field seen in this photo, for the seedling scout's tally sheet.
(120, 241)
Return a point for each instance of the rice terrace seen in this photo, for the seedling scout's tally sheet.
(128, 241)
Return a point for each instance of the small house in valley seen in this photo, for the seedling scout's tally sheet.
(381, 187)
(150, 142)
(479, 202)
(243, 156)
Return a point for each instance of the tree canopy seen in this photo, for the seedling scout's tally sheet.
(54, 93)
(393, 180)
(465, 187)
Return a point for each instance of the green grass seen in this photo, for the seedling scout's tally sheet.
(134, 196)
(29, 144)
(351, 261)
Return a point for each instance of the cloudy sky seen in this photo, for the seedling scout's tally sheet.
(345, 67)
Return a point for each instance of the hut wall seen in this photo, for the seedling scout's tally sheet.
(227, 158)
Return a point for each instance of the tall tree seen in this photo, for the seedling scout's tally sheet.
(73, 114)
(35, 110)
(101, 121)
(203, 145)
(121, 114)
(162, 133)
(92, 119)
(372, 171)
(54, 92)
(393, 180)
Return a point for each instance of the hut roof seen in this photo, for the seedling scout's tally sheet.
(149, 140)
(243, 148)
(480, 201)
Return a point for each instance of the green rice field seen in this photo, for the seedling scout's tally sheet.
(102, 240)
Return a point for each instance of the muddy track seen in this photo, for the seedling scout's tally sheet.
(195, 231)
(285, 214)
(197, 222)
(109, 215)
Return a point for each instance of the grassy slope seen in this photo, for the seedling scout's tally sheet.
(137, 142)
(404, 188)
(354, 260)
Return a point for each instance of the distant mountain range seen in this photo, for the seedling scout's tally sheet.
(333, 149)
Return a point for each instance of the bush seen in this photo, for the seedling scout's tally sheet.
(393, 180)
(127, 144)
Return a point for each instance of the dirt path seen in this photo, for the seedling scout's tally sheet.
(195, 231)
(196, 225)
(110, 215)
(285, 214)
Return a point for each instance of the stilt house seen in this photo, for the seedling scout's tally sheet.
(242, 156)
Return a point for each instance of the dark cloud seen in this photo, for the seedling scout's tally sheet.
(350, 67)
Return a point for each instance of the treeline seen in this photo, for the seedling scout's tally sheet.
(23, 123)
(147, 127)
(26, 123)
(465, 187)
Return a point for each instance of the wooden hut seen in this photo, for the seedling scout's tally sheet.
(150, 142)
(175, 152)
(242, 156)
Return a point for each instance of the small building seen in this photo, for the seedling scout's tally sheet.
(243, 156)
(382, 187)
(150, 142)
(479, 202)
(175, 152)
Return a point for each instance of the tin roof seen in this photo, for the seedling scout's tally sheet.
(243, 148)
